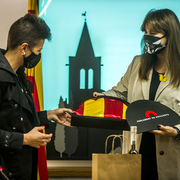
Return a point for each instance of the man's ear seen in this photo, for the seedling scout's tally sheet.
(23, 48)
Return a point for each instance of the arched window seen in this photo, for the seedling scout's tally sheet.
(90, 78)
(82, 79)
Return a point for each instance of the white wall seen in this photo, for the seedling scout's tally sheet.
(10, 11)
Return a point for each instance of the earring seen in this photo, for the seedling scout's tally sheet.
(23, 53)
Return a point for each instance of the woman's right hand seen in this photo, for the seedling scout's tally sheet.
(35, 138)
(96, 94)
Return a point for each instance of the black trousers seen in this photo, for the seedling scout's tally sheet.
(149, 168)
(148, 152)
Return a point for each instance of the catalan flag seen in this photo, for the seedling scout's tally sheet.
(102, 112)
(35, 76)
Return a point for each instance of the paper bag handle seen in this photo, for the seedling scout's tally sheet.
(115, 136)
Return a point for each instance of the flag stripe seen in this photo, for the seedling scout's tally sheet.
(35, 93)
(31, 11)
(124, 111)
(80, 110)
(94, 107)
(114, 108)
(42, 166)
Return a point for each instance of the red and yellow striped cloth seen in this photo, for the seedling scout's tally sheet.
(103, 107)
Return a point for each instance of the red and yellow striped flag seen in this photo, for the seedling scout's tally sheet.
(35, 76)
(103, 107)
(103, 112)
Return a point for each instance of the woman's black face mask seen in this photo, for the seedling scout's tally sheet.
(153, 44)
(32, 60)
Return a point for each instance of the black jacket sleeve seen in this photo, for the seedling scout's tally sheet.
(9, 141)
(43, 118)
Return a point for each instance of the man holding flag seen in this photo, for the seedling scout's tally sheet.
(20, 124)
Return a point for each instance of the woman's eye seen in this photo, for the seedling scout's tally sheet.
(153, 33)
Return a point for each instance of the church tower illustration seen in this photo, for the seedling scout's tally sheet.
(84, 71)
(84, 79)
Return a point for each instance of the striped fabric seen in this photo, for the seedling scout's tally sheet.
(103, 107)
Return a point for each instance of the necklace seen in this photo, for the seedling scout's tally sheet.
(162, 78)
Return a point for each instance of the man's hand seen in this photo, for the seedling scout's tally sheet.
(60, 116)
(34, 138)
(165, 131)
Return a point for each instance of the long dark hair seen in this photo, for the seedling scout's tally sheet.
(163, 21)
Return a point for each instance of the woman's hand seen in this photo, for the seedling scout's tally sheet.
(165, 131)
(60, 116)
(35, 138)
(96, 94)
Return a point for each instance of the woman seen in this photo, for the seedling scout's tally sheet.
(154, 75)
(20, 124)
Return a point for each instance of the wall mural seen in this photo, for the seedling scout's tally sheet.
(84, 79)
(88, 56)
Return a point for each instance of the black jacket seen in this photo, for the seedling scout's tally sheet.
(17, 116)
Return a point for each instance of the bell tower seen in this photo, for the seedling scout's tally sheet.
(84, 71)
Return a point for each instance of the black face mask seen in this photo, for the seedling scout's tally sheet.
(153, 44)
(32, 60)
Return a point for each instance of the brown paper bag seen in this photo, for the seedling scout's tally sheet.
(116, 166)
